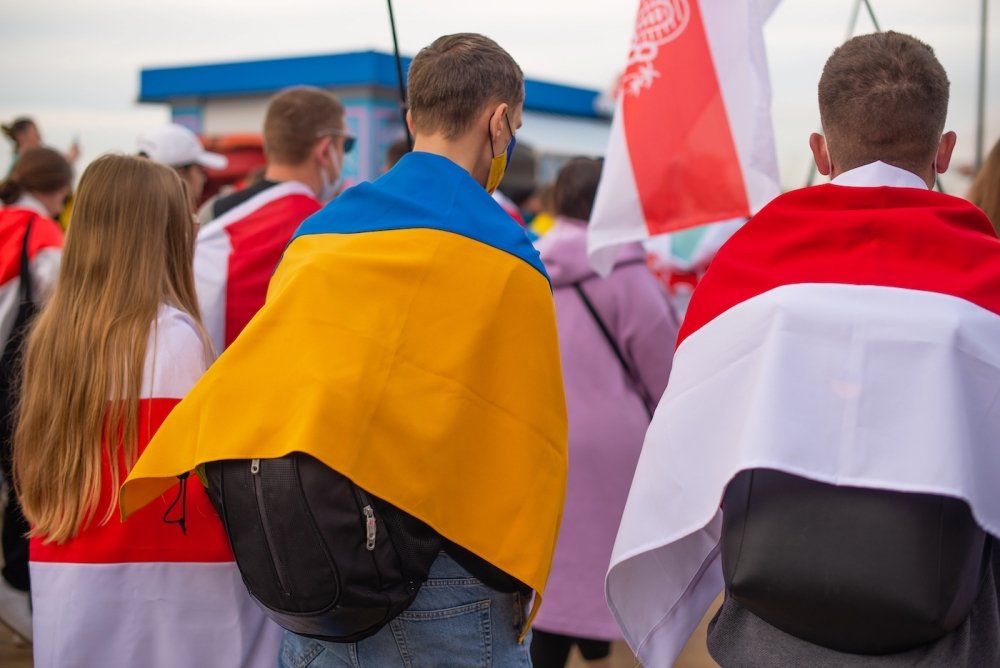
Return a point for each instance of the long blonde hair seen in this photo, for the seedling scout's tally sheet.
(128, 251)
(985, 191)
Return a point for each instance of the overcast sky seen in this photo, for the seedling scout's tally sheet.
(75, 66)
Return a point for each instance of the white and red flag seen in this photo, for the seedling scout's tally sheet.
(237, 252)
(691, 141)
(144, 592)
(846, 334)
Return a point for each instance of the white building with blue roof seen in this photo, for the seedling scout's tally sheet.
(559, 121)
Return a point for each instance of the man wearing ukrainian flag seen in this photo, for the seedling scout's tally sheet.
(408, 341)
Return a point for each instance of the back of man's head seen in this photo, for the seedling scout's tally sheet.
(883, 97)
(296, 119)
(453, 79)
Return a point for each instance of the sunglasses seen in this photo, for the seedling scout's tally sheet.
(349, 139)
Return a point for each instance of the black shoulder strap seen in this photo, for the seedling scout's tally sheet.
(25, 273)
(614, 346)
(10, 353)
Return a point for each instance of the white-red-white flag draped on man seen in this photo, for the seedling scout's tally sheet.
(846, 334)
(691, 140)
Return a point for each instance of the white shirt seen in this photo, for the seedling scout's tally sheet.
(878, 173)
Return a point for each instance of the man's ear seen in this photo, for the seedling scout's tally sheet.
(821, 154)
(409, 122)
(945, 147)
(321, 150)
(498, 126)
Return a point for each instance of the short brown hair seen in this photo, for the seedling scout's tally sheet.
(452, 80)
(39, 170)
(296, 119)
(883, 97)
(576, 186)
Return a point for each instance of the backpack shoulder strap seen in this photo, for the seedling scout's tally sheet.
(612, 344)
(25, 272)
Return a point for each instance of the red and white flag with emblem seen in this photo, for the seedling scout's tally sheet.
(691, 140)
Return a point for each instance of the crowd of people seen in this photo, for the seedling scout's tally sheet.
(396, 425)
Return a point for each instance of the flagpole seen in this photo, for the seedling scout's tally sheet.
(871, 14)
(854, 20)
(399, 76)
(981, 115)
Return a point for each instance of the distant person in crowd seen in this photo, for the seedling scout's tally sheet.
(409, 343)
(540, 209)
(23, 133)
(835, 388)
(985, 191)
(176, 146)
(394, 152)
(616, 338)
(30, 250)
(305, 140)
(122, 324)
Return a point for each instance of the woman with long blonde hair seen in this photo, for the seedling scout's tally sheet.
(117, 346)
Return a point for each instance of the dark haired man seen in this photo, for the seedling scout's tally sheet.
(392, 348)
(835, 386)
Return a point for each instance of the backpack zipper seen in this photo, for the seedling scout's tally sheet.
(368, 512)
(369, 528)
(265, 525)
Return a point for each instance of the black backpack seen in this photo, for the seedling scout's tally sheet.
(863, 571)
(323, 557)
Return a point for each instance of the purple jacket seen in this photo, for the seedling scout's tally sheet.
(607, 419)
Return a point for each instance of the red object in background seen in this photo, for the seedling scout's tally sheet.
(673, 278)
(246, 154)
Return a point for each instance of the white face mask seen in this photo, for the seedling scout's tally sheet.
(331, 185)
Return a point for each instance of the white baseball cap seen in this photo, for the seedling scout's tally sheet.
(174, 145)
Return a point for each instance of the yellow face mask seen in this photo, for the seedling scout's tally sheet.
(498, 167)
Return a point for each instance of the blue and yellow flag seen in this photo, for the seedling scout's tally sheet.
(409, 342)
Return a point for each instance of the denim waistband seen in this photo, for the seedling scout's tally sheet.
(444, 567)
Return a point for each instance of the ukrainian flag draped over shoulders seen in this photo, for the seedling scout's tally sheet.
(409, 342)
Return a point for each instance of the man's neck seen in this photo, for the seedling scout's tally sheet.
(303, 173)
(879, 174)
(463, 153)
(928, 175)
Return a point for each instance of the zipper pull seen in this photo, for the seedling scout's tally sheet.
(369, 527)
(254, 466)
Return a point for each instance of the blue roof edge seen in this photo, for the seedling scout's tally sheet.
(356, 68)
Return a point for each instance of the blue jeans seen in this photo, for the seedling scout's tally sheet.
(455, 622)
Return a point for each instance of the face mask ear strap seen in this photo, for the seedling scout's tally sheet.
(489, 132)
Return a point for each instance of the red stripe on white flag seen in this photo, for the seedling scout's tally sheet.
(691, 141)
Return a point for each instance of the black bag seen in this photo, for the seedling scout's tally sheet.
(324, 558)
(856, 570)
(13, 348)
(13, 536)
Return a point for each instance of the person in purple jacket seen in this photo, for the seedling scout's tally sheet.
(616, 337)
